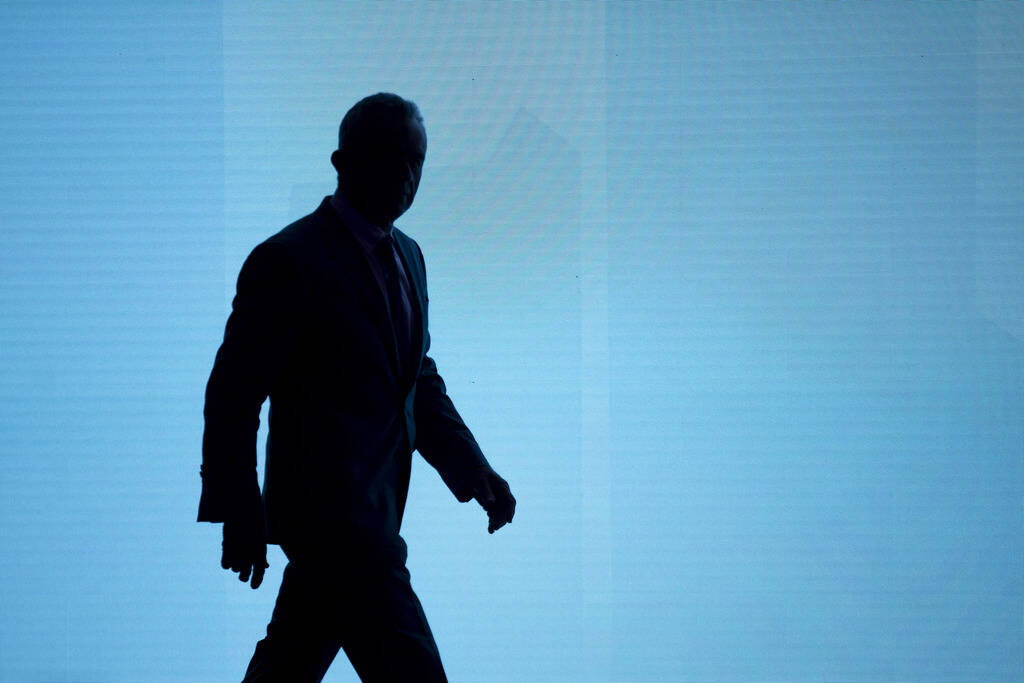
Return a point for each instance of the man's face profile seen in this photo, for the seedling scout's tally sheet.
(381, 173)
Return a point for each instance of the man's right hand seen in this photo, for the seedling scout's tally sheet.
(245, 550)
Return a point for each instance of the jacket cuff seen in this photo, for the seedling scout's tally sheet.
(229, 496)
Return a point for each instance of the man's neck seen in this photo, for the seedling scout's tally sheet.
(341, 195)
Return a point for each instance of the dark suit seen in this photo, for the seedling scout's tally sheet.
(310, 327)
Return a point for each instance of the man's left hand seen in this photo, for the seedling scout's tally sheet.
(494, 494)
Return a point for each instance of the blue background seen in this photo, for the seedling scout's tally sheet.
(731, 294)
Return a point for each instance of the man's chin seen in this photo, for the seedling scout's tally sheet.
(398, 211)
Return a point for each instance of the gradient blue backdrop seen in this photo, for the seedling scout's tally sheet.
(731, 294)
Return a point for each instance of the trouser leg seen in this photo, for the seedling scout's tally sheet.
(387, 637)
(325, 603)
(301, 642)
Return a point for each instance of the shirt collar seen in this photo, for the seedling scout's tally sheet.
(368, 233)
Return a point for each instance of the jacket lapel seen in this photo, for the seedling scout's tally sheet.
(411, 263)
(356, 276)
(362, 284)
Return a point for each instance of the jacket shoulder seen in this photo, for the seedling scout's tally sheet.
(288, 252)
(301, 240)
(299, 235)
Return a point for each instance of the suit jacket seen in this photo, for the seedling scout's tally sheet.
(310, 328)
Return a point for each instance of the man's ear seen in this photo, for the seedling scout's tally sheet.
(338, 161)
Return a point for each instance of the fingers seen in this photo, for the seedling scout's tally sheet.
(502, 512)
(495, 522)
(234, 559)
(257, 574)
(501, 507)
(246, 556)
(495, 515)
(256, 570)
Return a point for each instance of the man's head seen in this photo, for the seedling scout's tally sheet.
(381, 146)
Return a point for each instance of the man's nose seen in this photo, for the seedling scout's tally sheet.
(408, 176)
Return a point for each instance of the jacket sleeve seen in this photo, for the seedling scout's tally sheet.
(257, 341)
(442, 438)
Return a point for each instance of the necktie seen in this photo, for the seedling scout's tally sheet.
(388, 257)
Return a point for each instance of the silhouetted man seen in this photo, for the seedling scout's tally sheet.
(330, 322)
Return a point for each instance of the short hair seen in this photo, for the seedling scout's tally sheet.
(367, 117)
